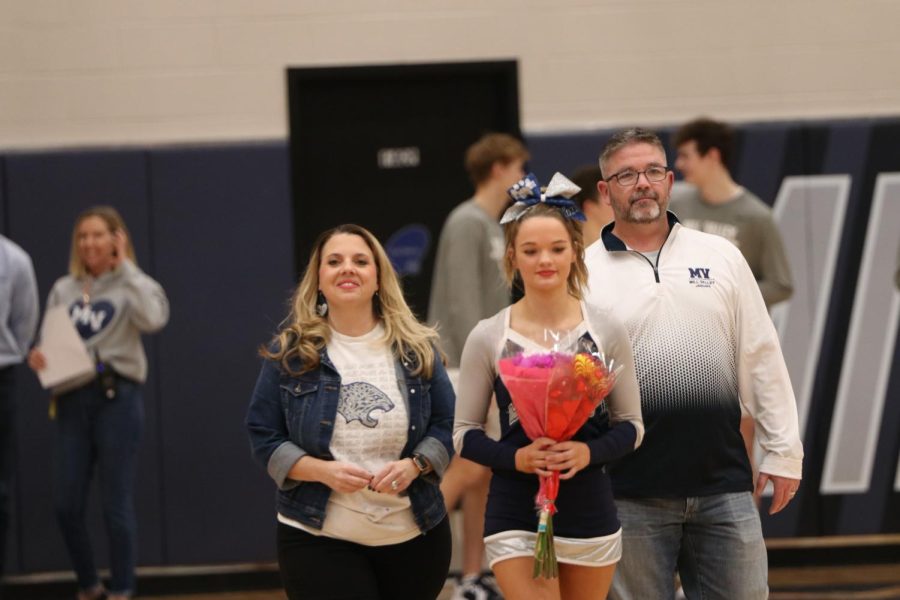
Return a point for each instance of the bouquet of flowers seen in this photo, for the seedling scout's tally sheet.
(554, 393)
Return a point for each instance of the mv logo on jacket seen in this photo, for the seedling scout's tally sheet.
(700, 277)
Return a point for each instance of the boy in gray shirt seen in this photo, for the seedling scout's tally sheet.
(468, 285)
(720, 206)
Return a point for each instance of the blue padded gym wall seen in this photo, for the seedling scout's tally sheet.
(214, 225)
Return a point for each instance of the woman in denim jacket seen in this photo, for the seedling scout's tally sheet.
(352, 417)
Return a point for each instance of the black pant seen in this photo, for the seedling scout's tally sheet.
(7, 446)
(319, 568)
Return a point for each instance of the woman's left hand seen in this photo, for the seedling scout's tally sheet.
(570, 457)
(394, 477)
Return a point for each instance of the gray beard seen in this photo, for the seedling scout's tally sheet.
(632, 215)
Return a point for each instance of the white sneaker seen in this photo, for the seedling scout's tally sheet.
(474, 587)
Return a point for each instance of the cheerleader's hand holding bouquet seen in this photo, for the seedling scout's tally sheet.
(554, 393)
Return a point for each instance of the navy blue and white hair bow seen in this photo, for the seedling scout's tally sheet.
(527, 193)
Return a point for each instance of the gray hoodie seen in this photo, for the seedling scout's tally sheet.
(124, 303)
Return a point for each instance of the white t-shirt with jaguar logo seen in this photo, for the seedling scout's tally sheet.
(370, 430)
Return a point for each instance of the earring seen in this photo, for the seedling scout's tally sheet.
(321, 305)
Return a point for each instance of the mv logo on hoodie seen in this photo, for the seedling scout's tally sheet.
(91, 319)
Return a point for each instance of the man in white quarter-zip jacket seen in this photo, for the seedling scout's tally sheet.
(704, 344)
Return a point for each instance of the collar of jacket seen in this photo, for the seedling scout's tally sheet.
(614, 244)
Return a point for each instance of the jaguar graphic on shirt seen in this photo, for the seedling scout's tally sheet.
(359, 400)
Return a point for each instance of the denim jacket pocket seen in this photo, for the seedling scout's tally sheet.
(296, 398)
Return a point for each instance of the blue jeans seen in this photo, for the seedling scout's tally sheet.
(94, 431)
(715, 543)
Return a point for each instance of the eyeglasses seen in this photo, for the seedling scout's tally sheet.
(629, 178)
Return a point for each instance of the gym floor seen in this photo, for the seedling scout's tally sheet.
(859, 582)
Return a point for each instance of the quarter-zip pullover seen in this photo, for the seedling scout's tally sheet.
(704, 344)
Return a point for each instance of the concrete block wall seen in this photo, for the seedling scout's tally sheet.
(89, 72)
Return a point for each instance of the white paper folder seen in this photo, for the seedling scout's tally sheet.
(68, 362)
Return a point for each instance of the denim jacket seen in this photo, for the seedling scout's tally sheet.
(292, 416)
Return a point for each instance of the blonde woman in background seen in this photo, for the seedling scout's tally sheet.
(111, 303)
